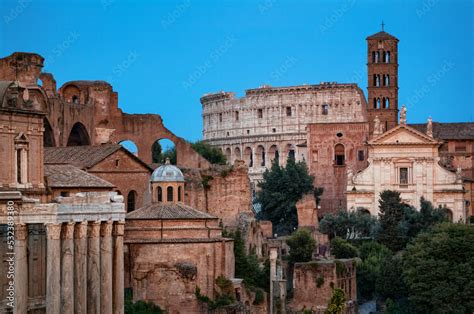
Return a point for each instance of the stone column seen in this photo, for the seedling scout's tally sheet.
(21, 268)
(273, 260)
(67, 268)
(118, 273)
(53, 275)
(80, 268)
(106, 268)
(93, 268)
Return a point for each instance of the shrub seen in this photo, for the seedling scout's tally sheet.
(301, 245)
(341, 248)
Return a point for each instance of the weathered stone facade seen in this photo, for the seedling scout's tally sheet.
(87, 113)
(313, 284)
(406, 160)
(333, 149)
(270, 123)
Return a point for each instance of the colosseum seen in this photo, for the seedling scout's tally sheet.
(269, 123)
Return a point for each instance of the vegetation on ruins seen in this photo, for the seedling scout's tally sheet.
(349, 224)
(247, 266)
(280, 189)
(427, 265)
(212, 154)
(438, 269)
(337, 302)
(159, 156)
(341, 248)
(302, 246)
(140, 307)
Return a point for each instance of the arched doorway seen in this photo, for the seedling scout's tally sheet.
(237, 155)
(48, 135)
(162, 149)
(339, 155)
(228, 155)
(78, 135)
(261, 156)
(248, 157)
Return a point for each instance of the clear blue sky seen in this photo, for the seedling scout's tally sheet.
(162, 56)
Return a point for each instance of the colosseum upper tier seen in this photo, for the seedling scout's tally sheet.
(269, 123)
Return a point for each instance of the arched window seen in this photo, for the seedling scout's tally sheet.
(375, 103)
(339, 155)
(387, 103)
(386, 80)
(169, 194)
(75, 99)
(159, 195)
(131, 199)
(248, 156)
(179, 194)
(383, 102)
(373, 56)
(377, 57)
(378, 103)
(387, 57)
(375, 80)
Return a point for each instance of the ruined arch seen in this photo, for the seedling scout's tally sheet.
(261, 156)
(72, 94)
(248, 157)
(130, 146)
(162, 149)
(237, 154)
(78, 135)
(228, 155)
(48, 135)
(274, 154)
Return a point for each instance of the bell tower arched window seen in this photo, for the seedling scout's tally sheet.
(180, 190)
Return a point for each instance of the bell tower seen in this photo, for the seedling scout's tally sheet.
(382, 70)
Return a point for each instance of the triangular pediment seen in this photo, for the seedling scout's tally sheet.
(402, 134)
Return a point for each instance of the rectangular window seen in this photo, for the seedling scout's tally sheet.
(260, 113)
(236, 116)
(361, 155)
(274, 130)
(460, 147)
(18, 166)
(288, 111)
(403, 175)
(220, 117)
(325, 109)
(64, 194)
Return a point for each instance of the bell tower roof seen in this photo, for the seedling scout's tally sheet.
(382, 35)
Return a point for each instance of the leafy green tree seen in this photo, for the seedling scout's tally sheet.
(349, 224)
(371, 254)
(438, 269)
(159, 156)
(212, 154)
(280, 189)
(389, 283)
(301, 245)
(341, 248)
(337, 303)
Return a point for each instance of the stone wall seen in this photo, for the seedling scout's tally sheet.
(88, 111)
(270, 123)
(221, 191)
(313, 284)
(323, 141)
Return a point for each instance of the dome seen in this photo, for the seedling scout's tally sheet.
(167, 173)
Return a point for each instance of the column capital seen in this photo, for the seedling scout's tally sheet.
(21, 231)
(94, 229)
(106, 228)
(68, 230)
(81, 230)
(119, 228)
(53, 231)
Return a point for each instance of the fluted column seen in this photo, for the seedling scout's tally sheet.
(53, 275)
(118, 273)
(93, 268)
(80, 268)
(21, 268)
(106, 268)
(67, 268)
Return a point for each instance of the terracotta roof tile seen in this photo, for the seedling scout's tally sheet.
(168, 211)
(69, 176)
(80, 156)
(449, 131)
